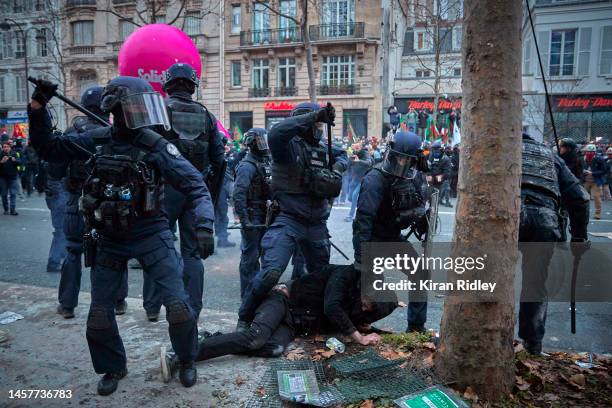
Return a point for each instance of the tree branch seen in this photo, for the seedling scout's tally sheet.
(178, 14)
(277, 12)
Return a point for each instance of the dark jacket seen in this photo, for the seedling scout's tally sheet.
(598, 169)
(10, 168)
(330, 299)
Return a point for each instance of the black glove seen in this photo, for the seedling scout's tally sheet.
(579, 246)
(44, 91)
(327, 114)
(206, 242)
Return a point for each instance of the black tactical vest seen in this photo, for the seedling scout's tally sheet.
(539, 176)
(259, 189)
(402, 205)
(119, 190)
(77, 173)
(435, 165)
(309, 175)
(192, 129)
(306, 301)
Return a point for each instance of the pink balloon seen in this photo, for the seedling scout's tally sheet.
(152, 49)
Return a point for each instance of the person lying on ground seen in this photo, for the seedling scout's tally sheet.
(326, 301)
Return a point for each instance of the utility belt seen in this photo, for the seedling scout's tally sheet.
(272, 211)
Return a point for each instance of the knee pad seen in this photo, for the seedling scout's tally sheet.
(271, 277)
(178, 312)
(98, 319)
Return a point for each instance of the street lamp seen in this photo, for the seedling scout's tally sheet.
(6, 26)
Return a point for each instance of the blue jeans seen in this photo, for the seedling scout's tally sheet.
(221, 209)
(344, 193)
(354, 199)
(56, 198)
(9, 189)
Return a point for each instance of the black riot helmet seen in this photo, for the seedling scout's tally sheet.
(569, 143)
(403, 155)
(256, 139)
(319, 130)
(134, 104)
(180, 76)
(92, 98)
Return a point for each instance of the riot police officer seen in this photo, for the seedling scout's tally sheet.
(391, 200)
(74, 225)
(122, 205)
(251, 194)
(568, 151)
(440, 172)
(194, 133)
(302, 186)
(547, 184)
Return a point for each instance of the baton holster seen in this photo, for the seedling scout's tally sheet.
(272, 210)
(90, 248)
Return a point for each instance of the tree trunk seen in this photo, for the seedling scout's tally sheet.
(312, 93)
(476, 337)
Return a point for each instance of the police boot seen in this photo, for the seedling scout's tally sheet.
(448, 204)
(121, 307)
(187, 374)
(66, 313)
(169, 362)
(108, 384)
(416, 329)
(153, 316)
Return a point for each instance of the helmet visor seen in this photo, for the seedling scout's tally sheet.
(320, 131)
(261, 141)
(400, 164)
(144, 109)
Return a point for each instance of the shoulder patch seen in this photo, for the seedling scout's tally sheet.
(170, 148)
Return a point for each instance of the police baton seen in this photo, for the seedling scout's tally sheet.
(329, 145)
(338, 249)
(74, 105)
(238, 226)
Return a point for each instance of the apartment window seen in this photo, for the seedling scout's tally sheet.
(261, 71)
(450, 9)
(605, 56)
(288, 30)
(20, 88)
(562, 48)
(42, 49)
(355, 124)
(235, 74)
(527, 57)
(338, 17)
(2, 89)
(261, 24)
(240, 123)
(422, 73)
(83, 33)
(125, 29)
(422, 41)
(457, 72)
(19, 46)
(85, 81)
(457, 33)
(192, 23)
(236, 23)
(338, 70)
(286, 72)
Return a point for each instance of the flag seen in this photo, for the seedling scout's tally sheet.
(431, 131)
(456, 135)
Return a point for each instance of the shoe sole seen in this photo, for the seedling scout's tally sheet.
(165, 370)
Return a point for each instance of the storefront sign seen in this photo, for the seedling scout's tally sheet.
(13, 117)
(582, 103)
(405, 104)
(278, 106)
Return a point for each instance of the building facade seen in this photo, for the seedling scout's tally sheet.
(265, 63)
(27, 38)
(575, 42)
(423, 56)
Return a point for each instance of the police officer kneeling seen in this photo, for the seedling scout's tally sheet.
(391, 200)
(122, 206)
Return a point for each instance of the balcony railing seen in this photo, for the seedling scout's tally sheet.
(269, 37)
(123, 1)
(286, 91)
(75, 3)
(338, 89)
(336, 31)
(82, 50)
(259, 92)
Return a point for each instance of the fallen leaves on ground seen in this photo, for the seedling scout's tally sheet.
(470, 395)
(367, 404)
(320, 354)
(239, 381)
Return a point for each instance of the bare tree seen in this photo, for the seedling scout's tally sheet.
(301, 21)
(434, 22)
(150, 11)
(476, 337)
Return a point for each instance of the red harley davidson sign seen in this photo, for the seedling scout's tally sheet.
(584, 103)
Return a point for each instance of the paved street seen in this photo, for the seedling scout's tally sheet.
(25, 240)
